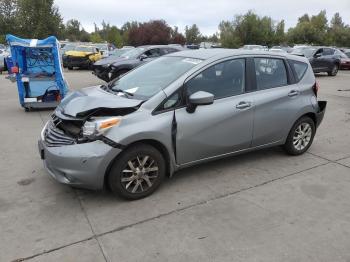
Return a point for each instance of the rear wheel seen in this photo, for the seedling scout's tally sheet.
(300, 136)
(137, 173)
(334, 70)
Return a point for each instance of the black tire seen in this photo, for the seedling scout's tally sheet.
(334, 70)
(121, 169)
(118, 73)
(289, 146)
(70, 67)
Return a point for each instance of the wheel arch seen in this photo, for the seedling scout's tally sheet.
(156, 144)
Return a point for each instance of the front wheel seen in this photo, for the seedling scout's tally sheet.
(300, 136)
(137, 173)
(334, 70)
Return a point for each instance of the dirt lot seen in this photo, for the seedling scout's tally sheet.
(262, 206)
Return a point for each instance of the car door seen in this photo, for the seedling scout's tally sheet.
(275, 101)
(222, 127)
(316, 60)
(326, 60)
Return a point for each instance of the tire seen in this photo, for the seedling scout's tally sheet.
(70, 67)
(297, 146)
(334, 70)
(128, 177)
(118, 73)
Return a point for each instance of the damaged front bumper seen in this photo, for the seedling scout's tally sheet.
(81, 165)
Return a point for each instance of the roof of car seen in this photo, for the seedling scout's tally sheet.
(205, 54)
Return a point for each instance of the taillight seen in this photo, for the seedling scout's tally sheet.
(316, 87)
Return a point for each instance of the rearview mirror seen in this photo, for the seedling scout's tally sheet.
(199, 98)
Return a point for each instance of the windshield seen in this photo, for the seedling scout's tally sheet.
(134, 53)
(306, 51)
(149, 79)
(84, 49)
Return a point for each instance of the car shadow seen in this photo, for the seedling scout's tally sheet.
(193, 173)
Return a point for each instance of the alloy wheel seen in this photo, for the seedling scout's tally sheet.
(139, 174)
(302, 136)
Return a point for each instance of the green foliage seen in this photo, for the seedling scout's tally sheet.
(41, 18)
(193, 35)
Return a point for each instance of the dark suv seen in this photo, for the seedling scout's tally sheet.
(112, 67)
(322, 59)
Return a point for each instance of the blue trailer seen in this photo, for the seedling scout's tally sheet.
(38, 72)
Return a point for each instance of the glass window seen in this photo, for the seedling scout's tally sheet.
(299, 68)
(153, 52)
(270, 73)
(173, 101)
(147, 80)
(328, 51)
(221, 80)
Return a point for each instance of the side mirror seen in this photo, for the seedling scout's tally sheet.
(199, 98)
(317, 55)
(143, 57)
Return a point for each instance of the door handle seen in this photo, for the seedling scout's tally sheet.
(243, 105)
(293, 93)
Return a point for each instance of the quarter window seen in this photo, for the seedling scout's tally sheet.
(299, 68)
(270, 73)
(222, 80)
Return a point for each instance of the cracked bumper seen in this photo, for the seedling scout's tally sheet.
(80, 165)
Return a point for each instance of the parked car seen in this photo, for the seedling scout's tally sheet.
(277, 50)
(253, 47)
(177, 111)
(287, 49)
(111, 68)
(82, 57)
(4, 53)
(346, 51)
(118, 52)
(344, 59)
(322, 59)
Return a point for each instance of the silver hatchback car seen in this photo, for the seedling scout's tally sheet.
(180, 110)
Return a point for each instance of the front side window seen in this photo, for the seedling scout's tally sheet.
(328, 51)
(222, 80)
(270, 73)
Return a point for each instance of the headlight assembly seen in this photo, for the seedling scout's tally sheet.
(98, 126)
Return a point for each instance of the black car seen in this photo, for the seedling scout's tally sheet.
(112, 67)
(322, 59)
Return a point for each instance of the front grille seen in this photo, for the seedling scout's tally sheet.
(56, 137)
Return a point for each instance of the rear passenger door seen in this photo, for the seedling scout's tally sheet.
(276, 101)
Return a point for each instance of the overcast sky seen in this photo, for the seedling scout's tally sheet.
(207, 14)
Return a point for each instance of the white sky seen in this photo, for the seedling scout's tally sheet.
(207, 14)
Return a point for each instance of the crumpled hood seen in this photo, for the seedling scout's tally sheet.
(109, 60)
(88, 100)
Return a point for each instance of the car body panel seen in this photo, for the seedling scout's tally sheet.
(213, 130)
(210, 132)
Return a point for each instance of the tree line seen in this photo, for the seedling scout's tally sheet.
(41, 18)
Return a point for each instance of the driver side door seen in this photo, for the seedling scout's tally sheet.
(220, 128)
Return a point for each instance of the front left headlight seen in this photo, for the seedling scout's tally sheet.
(97, 126)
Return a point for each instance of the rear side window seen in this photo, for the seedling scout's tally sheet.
(299, 69)
(270, 73)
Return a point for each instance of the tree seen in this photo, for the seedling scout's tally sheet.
(280, 36)
(193, 35)
(8, 13)
(72, 30)
(177, 37)
(150, 33)
(38, 18)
